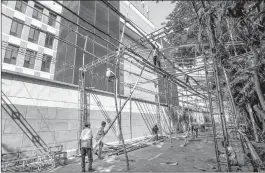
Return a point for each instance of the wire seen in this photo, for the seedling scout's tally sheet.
(87, 23)
(132, 24)
(94, 27)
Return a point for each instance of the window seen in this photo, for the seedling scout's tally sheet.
(46, 63)
(30, 57)
(16, 27)
(4, 2)
(37, 12)
(52, 19)
(49, 40)
(21, 6)
(34, 34)
(11, 54)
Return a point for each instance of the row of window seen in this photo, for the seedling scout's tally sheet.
(30, 56)
(21, 5)
(17, 27)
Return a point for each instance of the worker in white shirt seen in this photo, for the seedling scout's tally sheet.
(110, 75)
(86, 147)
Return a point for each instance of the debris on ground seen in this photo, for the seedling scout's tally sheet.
(155, 156)
(105, 169)
(159, 144)
(190, 158)
(173, 163)
(211, 166)
(109, 150)
(112, 159)
(211, 160)
(202, 169)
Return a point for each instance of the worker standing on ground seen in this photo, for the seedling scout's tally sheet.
(231, 154)
(86, 147)
(155, 132)
(196, 129)
(100, 133)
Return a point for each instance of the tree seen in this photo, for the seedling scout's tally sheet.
(183, 22)
(233, 21)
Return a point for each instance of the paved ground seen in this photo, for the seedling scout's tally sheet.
(153, 159)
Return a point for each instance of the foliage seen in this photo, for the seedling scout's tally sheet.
(183, 22)
(227, 21)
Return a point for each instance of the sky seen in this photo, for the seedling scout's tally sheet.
(159, 11)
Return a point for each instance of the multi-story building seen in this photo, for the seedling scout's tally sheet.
(101, 15)
(51, 107)
(28, 31)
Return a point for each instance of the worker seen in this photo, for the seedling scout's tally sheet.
(100, 133)
(232, 157)
(86, 147)
(196, 129)
(156, 58)
(110, 75)
(155, 132)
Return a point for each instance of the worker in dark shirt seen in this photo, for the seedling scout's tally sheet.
(100, 133)
(155, 132)
(156, 59)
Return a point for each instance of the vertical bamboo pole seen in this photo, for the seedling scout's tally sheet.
(83, 85)
(123, 105)
(119, 122)
(169, 108)
(253, 122)
(212, 39)
(117, 79)
(211, 113)
(130, 114)
(233, 106)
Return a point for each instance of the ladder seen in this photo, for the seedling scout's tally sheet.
(104, 113)
(18, 118)
(161, 117)
(166, 123)
(147, 123)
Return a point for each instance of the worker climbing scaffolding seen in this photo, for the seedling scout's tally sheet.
(156, 58)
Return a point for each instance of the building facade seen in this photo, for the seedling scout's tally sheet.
(28, 31)
(101, 15)
(51, 107)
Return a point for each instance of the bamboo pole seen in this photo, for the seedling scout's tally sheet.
(117, 79)
(255, 157)
(119, 122)
(253, 122)
(144, 117)
(128, 98)
(233, 106)
(212, 117)
(130, 115)
(148, 123)
(212, 39)
(169, 108)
